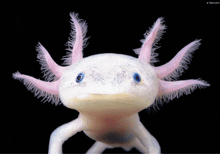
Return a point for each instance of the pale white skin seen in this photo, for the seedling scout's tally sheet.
(108, 90)
(109, 99)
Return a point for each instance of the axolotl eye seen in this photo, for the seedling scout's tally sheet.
(136, 77)
(79, 77)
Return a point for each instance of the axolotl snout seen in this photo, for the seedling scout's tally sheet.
(108, 90)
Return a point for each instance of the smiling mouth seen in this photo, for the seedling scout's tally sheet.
(103, 96)
(112, 104)
(121, 98)
(82, 96)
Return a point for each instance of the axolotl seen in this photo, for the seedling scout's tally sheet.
(109, 90)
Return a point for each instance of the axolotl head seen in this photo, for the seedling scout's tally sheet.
(112, 84)
(108, 83)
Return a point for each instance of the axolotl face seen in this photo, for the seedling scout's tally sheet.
(108, 84)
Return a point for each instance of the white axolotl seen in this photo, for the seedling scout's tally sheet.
(108, 90)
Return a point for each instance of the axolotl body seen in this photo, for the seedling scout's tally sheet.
(108, 90)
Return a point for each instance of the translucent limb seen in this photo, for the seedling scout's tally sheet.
(147, 140)
(98, 147)
(62, 133)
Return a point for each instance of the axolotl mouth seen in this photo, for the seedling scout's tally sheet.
(109, 103)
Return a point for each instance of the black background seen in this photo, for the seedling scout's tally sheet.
(188, 124)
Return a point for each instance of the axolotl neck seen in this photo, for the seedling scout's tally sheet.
(108, 86)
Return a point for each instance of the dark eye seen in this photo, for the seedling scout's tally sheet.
(137, 77)
(79, 77)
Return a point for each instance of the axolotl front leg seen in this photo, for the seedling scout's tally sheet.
(147, 140)
(62, 133)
